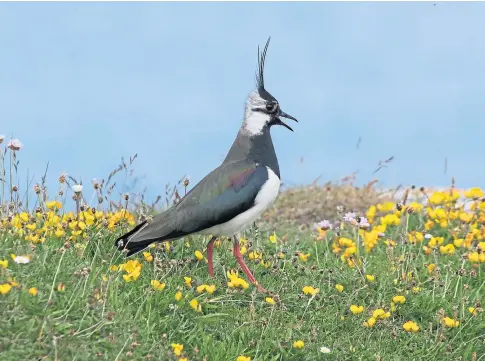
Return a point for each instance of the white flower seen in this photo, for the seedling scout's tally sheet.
(77, 188)
(428, 236)
(2, 137)
(21, 259)
(324, 349)
(15, 144)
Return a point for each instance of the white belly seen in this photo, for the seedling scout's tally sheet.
(264, 199)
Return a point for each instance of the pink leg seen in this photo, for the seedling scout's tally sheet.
(210, 252)
(246, 270)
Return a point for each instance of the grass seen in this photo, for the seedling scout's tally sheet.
(101, 316)
(93, 305)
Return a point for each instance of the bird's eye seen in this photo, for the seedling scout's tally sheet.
(272, 107)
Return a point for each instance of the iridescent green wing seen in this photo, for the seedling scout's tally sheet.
(222, 195)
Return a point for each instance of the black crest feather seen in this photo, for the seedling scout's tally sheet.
(260, 72)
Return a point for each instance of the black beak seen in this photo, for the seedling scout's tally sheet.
(284, 115)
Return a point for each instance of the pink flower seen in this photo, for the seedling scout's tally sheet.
(350, 217)
(325, 224)
(14, 144)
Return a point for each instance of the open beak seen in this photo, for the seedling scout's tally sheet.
(284, 115)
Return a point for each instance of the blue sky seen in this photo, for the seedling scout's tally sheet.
(82, 84)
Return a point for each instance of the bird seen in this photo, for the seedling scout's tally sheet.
(231, 197)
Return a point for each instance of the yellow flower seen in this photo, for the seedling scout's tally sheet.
(390, 220)
(243, 358)
(299, 344)
(458, 242)
(24, 217)
(399, 299)
(157, 285)
(448, 249)
(113, 268)
(303, 257)
(178, 296)
(148, 256)
(199, 255)
(474, 193)
(410, 326)
(419, 236)
(255, 255)
(472, 310)
(449, 322)
(345, 242)
(466, 217)
(59, 232)
(188, 281)
(370, 322)
(209, 289)
(183, 359)
(386, 207)
(273, 238)
(5, 288)
(132, 269)
(33, 291)
(270, 300)
(195, 305)
(53, 205)
(416, 289)
(339, 287)
(356, 309)
(431, 267)
(177, 348)
(236, 281)
(370, 278)
(309, 290)
(380, 314)
(61, 287)
(437, 198)
(4, 263)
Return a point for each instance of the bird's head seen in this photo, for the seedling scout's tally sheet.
(262, 109)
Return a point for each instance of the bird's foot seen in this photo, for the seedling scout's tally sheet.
(245, 268)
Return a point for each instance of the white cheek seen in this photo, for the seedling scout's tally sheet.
(255, 122)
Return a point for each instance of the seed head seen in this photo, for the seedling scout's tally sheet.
(62, 177)
(96, 183)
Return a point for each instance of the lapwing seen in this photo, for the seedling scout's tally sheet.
(230, 198)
